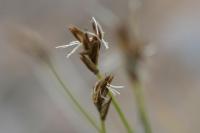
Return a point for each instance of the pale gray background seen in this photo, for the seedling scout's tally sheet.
(31, 100)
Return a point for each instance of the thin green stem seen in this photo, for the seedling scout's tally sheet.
(75, 102)
(103, 127)
(141, 106)
(118, 109)
(121, 114)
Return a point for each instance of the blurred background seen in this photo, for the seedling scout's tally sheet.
(31, 100)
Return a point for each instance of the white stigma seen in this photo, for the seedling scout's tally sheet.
(73, 50)
(68, 45)
(116, 86)
(77, 44)
(112, 88)
(98, 27)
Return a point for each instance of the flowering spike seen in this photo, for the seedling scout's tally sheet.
(100, 95)
(89, 40)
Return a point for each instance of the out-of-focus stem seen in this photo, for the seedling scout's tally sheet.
(138, 92)
(118, 109)
(75, 102)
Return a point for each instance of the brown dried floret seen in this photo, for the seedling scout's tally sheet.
(100, 96)
(91, 45)
(91, 42)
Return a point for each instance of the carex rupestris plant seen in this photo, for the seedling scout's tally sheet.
(103, 92)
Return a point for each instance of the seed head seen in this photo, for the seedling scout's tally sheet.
(100, 95)
(91, 42)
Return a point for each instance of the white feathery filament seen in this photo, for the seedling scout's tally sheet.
(112, 89)
(73, 50)
(68, 45)
(77, 44)
(102, 32)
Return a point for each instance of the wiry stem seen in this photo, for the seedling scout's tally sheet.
(118, 109)
(75, 102)
(141, 107)
(103, 127)
(121, 114)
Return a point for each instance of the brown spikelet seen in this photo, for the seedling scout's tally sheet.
(100, 96)
(91, 46)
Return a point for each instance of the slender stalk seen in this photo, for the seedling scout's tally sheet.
(75, 102)
(119, 110)
(103, 127)
(121, 114)
(141, 107)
